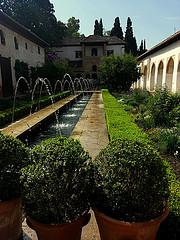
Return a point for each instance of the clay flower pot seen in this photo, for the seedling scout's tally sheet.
(66, 231)
(111, 229)
(10, 219)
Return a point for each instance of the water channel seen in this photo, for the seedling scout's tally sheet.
(66, 122)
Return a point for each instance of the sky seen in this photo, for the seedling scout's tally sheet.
(153, 20)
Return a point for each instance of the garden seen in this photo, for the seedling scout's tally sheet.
(133, 185)
(122, 114)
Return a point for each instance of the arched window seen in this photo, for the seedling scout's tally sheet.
(169, 74)
(3, 41)
(16, 43)
(152, 79)
(160, 75)
(178, 79)
(145, 77)
(94, 68)
(94, 52)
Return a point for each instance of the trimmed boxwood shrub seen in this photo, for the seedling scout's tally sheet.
(56, 187)
(131, 181)
(13, 156)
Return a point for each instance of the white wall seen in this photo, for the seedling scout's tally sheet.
(68, 52)
(118, 49)
(164, 55)
(29, 55)
(88, 50)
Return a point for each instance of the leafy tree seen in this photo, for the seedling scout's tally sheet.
(131, 45)
(37, 15)
(117, 30)
(119, 72)
(73, 27)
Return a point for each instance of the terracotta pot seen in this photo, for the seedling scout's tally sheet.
(111, 229)
(10, 219)
(66, 231)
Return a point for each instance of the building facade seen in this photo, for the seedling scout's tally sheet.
(84, 54)
(17, 43)
(160, 66)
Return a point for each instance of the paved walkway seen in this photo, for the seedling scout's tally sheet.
(91, 131)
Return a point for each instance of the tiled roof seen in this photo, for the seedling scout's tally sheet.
(10, 23)
(171, 39)
(77, 41)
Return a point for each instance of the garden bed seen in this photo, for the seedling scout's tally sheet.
(122, 125)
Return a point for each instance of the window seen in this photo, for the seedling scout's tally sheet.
(39, 49)
(16, 43)
(94, 52)
(26, 46)
(110, 52)
(94, 68)
(2, 37)
(78, 54)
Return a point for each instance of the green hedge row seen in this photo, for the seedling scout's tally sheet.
(21, 111)
(121, 125)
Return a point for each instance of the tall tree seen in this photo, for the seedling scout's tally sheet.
(117, 30)
(73, 27)
(96, 27)
(131, 45)
(37, 15)
(100, 27)
(142, 47)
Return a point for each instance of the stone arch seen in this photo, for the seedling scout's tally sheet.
(169, 74)
(145, 77)
(160, 75)
(152, 79)
(178, 78)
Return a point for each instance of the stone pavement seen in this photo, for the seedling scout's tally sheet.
(91, 131)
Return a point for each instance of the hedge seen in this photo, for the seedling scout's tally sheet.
(121, 125)
(23, 110)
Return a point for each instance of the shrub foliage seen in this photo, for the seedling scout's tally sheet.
(119, 72)
(13, 156)
(132, 183)
(56, 187)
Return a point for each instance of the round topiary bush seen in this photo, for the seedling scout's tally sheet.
(13, 156)
(56, 187)
(131, 181)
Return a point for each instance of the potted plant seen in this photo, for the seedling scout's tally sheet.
(13, 156)
(56, 189)
(131, 191)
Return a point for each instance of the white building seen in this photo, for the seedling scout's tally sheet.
(160, 66)
(85, 53)
(17, 43)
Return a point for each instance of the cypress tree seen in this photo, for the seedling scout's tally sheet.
(131, 45)
(117, 30)
(96, 27)
(100, 27)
